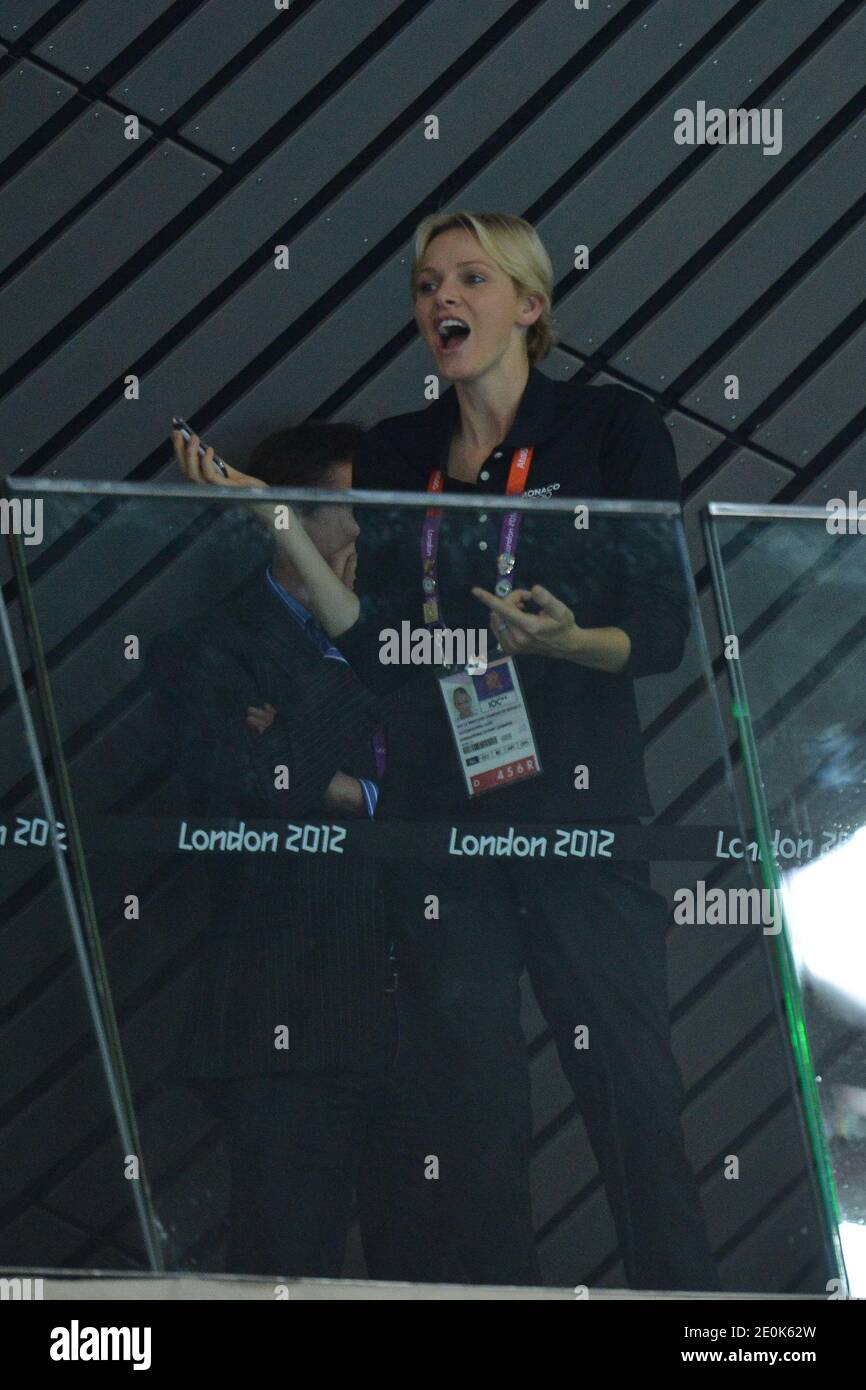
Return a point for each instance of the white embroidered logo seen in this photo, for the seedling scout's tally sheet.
(542, 491)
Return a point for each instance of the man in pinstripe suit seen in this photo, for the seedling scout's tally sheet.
(290, 1026)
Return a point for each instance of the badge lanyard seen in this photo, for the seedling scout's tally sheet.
(509, 533)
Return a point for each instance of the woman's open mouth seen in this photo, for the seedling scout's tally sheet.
(452, 334)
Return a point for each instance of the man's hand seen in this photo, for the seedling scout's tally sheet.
(345, 796)
(260, 719)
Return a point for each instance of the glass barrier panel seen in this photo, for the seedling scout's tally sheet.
(66, 1201)
(431, 950)
(791, 584)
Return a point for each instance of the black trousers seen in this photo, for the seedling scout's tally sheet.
(303, 1147)
(592, 937)
(432, 1139)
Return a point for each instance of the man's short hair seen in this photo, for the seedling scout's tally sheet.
(301, 455)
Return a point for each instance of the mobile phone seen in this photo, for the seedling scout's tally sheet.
(185, 430)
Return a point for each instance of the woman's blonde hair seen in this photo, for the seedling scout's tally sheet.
(516, 248)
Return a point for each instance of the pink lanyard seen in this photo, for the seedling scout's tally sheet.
(509, 533)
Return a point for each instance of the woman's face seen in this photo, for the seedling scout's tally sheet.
(462, 704)
(458, 280)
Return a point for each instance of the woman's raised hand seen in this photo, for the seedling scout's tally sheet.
(202, 469)
(330, 598)
(198, 468)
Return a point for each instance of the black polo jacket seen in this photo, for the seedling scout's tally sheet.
(589, 442)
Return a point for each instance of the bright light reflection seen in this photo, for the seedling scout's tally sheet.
(853, 1238)
(824, 907)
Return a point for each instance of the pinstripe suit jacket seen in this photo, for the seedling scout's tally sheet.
(292, 940)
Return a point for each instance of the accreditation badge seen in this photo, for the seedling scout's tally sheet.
(491, 727)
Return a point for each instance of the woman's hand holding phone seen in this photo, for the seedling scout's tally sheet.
(201, 468)
(330, 598)
(198, 468)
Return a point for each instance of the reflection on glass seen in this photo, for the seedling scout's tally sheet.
(64, 1199)
(826, 929)
(418, 982)
(793, 590)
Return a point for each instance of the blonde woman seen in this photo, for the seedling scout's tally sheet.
(580, 616)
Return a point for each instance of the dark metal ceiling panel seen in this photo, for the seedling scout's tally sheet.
(18, 16)
(747, 269)
(134, 210)
(831, 398)
(726, 180)
(301, 58)
(29, 97)
(60, 176)
(96, 32)
(193, 55)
